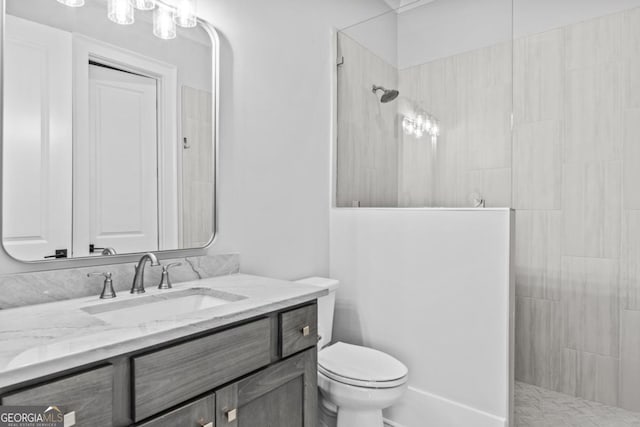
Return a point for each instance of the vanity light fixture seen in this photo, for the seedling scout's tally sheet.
(144, 4)
(186, 13)
(164, 26)
(121, 12)
(72, 3)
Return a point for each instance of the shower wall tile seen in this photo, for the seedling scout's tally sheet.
(630, 360)
(538, 342)
(417, 163)
(537, 165)
(367, 157)
(494, 185)
(591, 376)
(632, 157)
(593, 113)
(568, 381)
(594, 42)
(538, 254)
(471, 95)
(630, 34)
(577, 124)
(631, 82)
(451, 163)
(538, 77)
(592, 209)
(591, 305)
(630, 260)
(488, 103)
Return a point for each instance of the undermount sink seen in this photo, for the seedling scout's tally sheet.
(144, 309)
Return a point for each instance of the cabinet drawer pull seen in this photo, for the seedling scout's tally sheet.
(232, 415)
(70, 419)
(306, 331)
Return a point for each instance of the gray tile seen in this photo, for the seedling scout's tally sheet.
(367, 162)
(593, 114)
(537, 165)
(594, 42)
(538, 254)
(536, 406)
(631, 162)
(630, 260)
(591, 305)
(492, 185)
(538, 77)
(597, 378)
(592, 209)
(538, 347)
(630, 360)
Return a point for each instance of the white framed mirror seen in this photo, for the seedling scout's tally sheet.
(109, 126)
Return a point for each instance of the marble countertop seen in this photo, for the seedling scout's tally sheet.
(43, 339)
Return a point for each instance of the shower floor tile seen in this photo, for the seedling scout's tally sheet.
(538, 407)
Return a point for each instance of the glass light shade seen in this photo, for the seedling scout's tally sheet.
(186, 13)
(72, 3)
(144, 4)
(121, 12)
(164, 26)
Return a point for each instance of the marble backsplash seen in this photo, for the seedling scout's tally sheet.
(17, 290)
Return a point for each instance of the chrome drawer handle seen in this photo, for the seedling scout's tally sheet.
(70, 419)
(232, 415)
(306, 331)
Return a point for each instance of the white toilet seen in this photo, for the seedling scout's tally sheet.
(355, 382)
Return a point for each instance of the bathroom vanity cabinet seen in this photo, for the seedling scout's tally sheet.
(259, 372)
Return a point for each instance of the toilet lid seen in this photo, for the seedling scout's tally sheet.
(361, 366)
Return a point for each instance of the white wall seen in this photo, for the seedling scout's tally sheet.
(449, 27)
(433, 288)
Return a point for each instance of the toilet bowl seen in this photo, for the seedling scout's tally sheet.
(356, 383)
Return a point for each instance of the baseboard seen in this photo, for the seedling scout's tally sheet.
(422, 409)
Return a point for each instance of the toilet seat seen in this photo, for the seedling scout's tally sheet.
(361, 366)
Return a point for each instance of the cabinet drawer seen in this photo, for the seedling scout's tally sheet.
(167, 377)
(87, 397)
(198, 413)
(298, 329)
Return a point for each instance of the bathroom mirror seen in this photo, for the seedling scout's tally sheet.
(109, 128)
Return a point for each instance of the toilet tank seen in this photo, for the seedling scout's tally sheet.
(326, 306)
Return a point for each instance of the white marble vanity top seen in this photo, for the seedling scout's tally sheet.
(39, 340)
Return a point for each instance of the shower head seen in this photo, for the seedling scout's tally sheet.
(388, 95)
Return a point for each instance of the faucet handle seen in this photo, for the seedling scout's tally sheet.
(107, 289)
(165, 281)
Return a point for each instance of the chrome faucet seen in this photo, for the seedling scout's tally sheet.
(137, 286)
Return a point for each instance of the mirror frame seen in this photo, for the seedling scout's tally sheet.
(132, 256)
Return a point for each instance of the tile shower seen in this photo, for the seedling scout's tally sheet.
(569, 168)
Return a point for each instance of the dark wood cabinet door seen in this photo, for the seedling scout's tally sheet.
(282, 395)
(86, 399)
